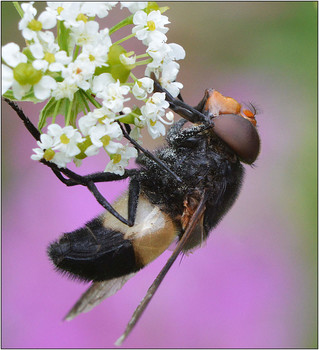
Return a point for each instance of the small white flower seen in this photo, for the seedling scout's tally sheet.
(86, 123)
(85, 33)
(120, 160)
(152, 113)
(155, 106)
(150, 26)
(127, 61)
(79, 72)
(101, 135)
(42, 90)
(100, 82)
(12, 56)
(53, 60)
(7, 78)
(96, 54)
(111, 93)
(103, 38)
(142, 87)
(65, 139)
(134, 6)
(177, 52)
(58, 145)
(46, 143)
(155, 128)
(168, 77)
(158, 52)
(92, 118)
(30, 26)
(65, 11)
(163, 53)
(65, 89)
(100, 9)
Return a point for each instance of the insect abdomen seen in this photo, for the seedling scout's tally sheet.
(94, 253)
(105, 248)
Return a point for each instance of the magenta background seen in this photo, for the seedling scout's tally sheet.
(254, 283)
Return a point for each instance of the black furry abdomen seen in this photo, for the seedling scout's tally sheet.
(93, 253)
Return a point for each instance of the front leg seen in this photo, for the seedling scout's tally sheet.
(183, 109)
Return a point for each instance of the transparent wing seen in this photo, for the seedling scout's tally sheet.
(96, 294)
(196, 217)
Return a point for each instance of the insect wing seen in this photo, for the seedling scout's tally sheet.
(198, 214)
(96, 294)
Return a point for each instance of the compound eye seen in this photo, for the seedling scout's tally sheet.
(239, 134)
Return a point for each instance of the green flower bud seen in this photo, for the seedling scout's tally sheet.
(115, 66)
(25, 73)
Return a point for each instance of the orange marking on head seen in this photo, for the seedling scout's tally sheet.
(218, 104)
(248, 113)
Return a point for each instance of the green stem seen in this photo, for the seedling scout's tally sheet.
(92, 100)
(140, 63)
(76, 52)
(55, 112)
(123, 23)
(83, 97)
(124, 39)
(133, 76)
(18, 8)
(68, 116)
(142, 55)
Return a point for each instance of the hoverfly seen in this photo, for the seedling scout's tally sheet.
(202, 164)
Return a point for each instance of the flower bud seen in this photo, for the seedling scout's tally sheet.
(25, 73)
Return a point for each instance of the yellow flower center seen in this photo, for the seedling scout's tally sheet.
(49, 57)
(82, 17)
(48, 154)
(59, 10)
(35, 25)
(116, 158)
(151, 25)
(152, 122)
(91, 58)
(64, 139)
(100, 120)
(105, 140)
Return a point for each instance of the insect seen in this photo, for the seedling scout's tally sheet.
(182, 191)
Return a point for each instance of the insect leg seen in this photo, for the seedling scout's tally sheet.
(178, 106)
(133, 195)
(199, 212)
(76, 179)
(149, 154)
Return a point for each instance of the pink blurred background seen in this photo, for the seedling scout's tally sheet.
(254, 284)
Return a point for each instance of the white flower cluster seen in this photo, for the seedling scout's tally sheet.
(82, 66)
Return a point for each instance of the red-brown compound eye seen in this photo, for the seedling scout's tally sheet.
(239, 134)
